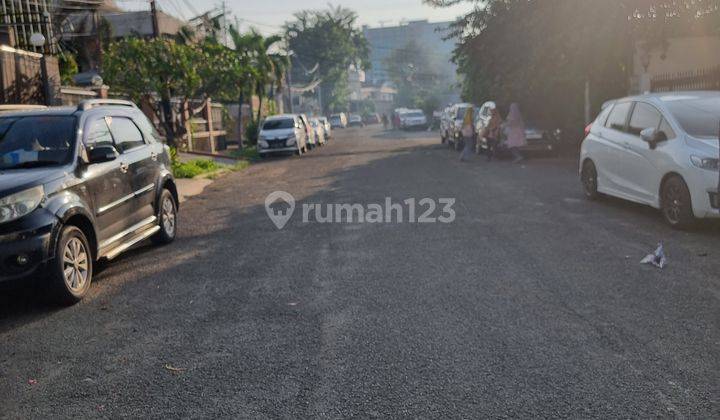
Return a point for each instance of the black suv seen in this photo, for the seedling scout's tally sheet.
(77, 185)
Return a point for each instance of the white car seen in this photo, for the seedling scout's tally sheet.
(659, 149)
(413, 119)
(282, 134)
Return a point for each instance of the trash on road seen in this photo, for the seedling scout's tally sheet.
(657, 258)
(174, 369)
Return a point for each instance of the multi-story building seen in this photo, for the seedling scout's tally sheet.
(428, 35)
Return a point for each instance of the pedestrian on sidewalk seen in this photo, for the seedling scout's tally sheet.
(493, 132)
(385, 121)
(469, 136)
(515, 132)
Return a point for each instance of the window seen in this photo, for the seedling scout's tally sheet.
(126, 134)
(98, 135)
(144, 123)
(644, 116)
(618, 116)
(665, 128)
(699, 116)
(27, 142)
(279, 124)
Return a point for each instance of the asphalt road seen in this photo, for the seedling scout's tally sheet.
(531, 304)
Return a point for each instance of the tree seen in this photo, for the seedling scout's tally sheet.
(255, 68)
(141, 68)
(327, 42)
(416, 76)
(542, 53)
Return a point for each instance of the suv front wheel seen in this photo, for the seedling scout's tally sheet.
(71, 270)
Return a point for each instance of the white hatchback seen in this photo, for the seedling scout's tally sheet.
(659, 149)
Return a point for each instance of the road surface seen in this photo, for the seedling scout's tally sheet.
(531, 303)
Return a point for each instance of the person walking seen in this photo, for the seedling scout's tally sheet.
(493, 132)
(468, 133)
(385, 121)
(515, 132)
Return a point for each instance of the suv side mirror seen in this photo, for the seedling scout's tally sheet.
(652, 137)
(101, 154)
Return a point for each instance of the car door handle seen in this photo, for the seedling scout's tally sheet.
(124, 167)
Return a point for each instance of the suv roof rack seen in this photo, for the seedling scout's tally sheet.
(92, 103)
(21, 107)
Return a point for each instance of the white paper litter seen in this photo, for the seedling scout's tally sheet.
(657, 258)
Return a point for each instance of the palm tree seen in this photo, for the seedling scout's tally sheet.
(267, 68)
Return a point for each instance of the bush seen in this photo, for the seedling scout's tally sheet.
(194, 168)
(251, 133)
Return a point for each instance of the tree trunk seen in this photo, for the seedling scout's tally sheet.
(259, 110)
(241, 101)
(167, 115)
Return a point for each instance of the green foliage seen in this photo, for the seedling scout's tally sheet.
(193, 168)
(138, 67)
(365, 107)
(68, 67)
(541, 53)
(330, 41)
(251, 132)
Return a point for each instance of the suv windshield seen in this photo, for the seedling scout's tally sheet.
(415, 114)
(279, 124)
(34, 141)
(460, 113)
(699, 117)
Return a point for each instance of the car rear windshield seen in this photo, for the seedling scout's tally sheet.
(699, 117)
(415, 114)
(34, 141)
(284, 123)
(460, 113)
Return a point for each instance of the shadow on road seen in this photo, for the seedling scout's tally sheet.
(529, 285)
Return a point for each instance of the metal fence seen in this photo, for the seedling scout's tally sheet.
(704, 79)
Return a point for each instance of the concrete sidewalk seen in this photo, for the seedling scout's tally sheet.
(190, 187)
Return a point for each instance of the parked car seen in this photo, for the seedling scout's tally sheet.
(79, 184)
(355, 121)
(446, 122)
(372, 119)
(318, 130)
(657, 149)
(413, 119)
(326, 125)
(282, 134)
(338, 120)
(539, 138)
(457, 114)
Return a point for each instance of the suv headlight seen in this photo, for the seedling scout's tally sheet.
(710, 164)
(20, 204)
(263, 144)
(290, 140)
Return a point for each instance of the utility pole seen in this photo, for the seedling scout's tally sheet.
(155, 22)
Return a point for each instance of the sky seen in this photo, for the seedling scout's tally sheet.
(269, 15)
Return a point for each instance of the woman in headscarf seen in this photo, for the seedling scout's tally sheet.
(492, 132)
(515, 132)
(468, 133)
